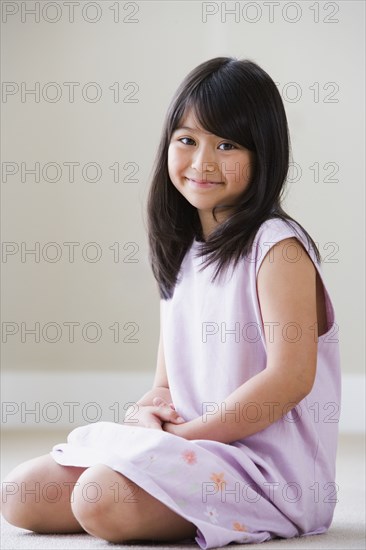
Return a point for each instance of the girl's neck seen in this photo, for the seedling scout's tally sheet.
(208, 223)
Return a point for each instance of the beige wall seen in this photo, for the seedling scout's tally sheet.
(320, 70)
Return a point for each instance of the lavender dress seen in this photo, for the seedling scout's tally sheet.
(279, 482)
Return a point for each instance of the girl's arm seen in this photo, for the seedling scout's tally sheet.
(160, 385)
(287, 296)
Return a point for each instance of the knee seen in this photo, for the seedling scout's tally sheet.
(94, 505)
(16, 500)
(87, 499)
(9, 499)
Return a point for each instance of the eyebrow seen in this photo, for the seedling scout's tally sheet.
(191, 129)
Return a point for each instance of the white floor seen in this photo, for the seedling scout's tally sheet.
(347, 530)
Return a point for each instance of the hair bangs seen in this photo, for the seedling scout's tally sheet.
(212, 103)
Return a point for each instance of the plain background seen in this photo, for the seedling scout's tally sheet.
(313, 50)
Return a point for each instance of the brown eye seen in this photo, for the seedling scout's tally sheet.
(181, 140)
(230, 144)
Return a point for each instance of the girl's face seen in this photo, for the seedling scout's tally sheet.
(208, 170)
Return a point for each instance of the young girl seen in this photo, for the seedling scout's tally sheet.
(236, 441)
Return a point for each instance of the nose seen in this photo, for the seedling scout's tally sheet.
(204, 161)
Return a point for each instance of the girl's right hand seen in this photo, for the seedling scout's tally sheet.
(153, 416)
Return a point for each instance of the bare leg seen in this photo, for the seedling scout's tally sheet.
(112, 507)
(36, 496)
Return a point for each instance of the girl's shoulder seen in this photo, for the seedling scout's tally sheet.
(276, 227)
(274, 230)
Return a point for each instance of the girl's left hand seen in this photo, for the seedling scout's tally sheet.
(175, 429)
(170, 427)
(160, 402)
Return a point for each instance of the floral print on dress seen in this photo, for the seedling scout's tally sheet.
(219, 479)
(239, 526)
(212, 513)
(189, 457)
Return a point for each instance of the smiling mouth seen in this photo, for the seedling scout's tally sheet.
(205, 182)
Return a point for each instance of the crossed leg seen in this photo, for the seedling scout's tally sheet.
(36, 496)
(110, 506)
(45, 497)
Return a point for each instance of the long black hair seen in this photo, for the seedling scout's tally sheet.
(236, 100)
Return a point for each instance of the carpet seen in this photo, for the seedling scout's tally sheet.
(343, 534)
(346, 532)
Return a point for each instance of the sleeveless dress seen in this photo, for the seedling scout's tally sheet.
(278, 482)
